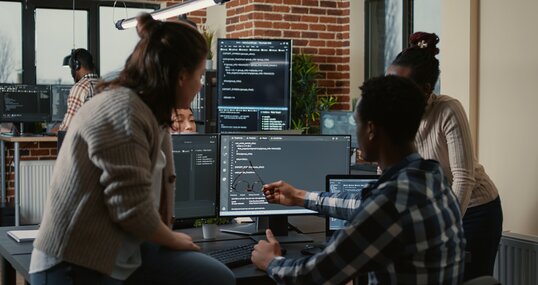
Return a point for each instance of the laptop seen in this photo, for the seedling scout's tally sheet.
(347, 183)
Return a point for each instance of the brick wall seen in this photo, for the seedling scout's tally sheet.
(28, 151)
(317, 27)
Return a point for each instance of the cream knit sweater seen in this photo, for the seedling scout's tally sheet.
(101, 182)
(444, 135)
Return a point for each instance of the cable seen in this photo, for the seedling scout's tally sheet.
(73, 24)
(114, 10)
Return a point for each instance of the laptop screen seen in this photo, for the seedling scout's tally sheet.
(345, 183)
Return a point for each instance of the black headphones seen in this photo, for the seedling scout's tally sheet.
(74, 63)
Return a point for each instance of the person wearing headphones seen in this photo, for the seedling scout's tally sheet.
(83, 72)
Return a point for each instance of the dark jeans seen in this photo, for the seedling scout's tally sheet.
(70, 274)
(160, 266)
(483, 228)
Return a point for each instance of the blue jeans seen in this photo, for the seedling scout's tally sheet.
(70, 274)
(483, 228)
(164, 266)
(160, 266)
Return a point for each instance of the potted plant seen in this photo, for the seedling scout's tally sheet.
(306, 103)
(210, 226)
(208, 36)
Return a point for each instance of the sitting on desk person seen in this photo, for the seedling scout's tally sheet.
(403, 229)
(182, 121)
(109, 207)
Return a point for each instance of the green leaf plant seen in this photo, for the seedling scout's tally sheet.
(306, 102)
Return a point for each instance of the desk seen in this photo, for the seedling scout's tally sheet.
(16, 158)
(16, 256)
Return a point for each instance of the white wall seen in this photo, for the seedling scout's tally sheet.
(459, 28)
(508, 107)
(490, 65)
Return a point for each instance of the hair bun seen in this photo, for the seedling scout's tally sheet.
(425, 41)
(146, 25)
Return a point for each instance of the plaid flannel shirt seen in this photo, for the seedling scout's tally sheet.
(79, 94)
(404, 229)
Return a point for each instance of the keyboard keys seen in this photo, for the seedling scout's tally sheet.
(234, 256)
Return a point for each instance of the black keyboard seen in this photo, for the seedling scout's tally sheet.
(234, 256)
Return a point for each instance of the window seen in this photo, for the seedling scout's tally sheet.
(386, 33)
(54, 40)
(115, 45)
(38, 50)
(10, 42)
(388, 26)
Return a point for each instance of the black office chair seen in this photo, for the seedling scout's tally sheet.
(482, 280)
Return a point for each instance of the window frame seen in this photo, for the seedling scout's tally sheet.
(28, 8)
(407, 28)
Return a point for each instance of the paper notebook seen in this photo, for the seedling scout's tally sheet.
(23, 235)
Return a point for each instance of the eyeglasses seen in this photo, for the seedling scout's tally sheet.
(244, 186)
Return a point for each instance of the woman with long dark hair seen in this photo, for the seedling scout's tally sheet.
(109, 208)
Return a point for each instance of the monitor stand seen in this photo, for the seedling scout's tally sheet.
(277, 224)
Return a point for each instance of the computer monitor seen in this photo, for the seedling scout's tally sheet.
(253, 85)
(345, 183)
(339, 123)
(24, 103)
(196, 163)
(60, 93)
(249, 161)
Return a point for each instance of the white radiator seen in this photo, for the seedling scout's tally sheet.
(35, 176)
(517, 260)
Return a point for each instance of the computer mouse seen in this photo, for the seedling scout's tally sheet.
(311, 249)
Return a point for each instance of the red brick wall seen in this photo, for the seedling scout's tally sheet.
(317, 27)
(28, 151)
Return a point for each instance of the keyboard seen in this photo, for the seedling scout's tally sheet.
(234, 256)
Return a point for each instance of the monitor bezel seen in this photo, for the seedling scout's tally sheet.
(311, 212)
(290, 85)
(40, 117)
(217, 176)
(52, 120)
(328, 178)
(324, 113)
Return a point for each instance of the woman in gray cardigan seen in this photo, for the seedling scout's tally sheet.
(108, 213)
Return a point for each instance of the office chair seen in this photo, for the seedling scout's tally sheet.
(482, 280)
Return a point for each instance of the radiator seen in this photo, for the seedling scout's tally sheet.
(517, 260)
(35, 178)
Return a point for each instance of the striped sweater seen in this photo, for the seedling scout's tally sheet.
(444, 135)
(101, 185)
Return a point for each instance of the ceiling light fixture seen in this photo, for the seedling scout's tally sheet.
(171, 11)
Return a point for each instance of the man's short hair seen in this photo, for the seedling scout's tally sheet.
(84, 57)
(394, 103)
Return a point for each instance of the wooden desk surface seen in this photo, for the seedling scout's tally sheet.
(28, 138)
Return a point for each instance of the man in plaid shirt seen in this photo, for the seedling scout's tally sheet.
(83, 72)
(404, 229)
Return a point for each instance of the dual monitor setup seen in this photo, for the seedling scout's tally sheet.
(21, 103)
(224, 174)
